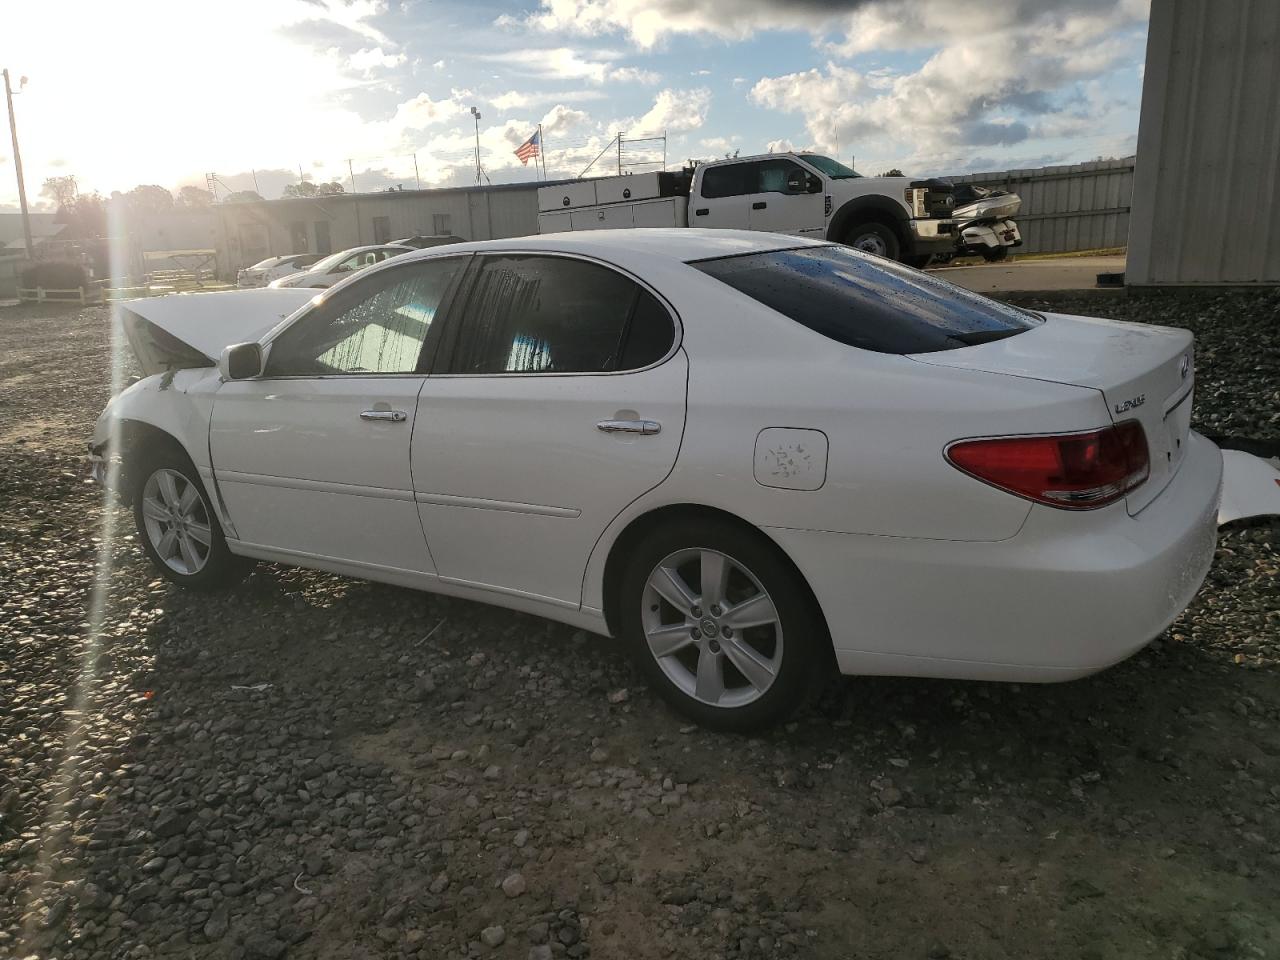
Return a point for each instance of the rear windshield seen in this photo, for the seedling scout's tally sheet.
(867, 302)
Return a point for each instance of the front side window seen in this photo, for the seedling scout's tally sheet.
(867, 302)
(782, 176)
(376, 326)
(538, 314)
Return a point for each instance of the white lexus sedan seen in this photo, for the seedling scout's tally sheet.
(753, 458)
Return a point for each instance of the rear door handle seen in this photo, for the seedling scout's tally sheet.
(394, 416)
(759, 205)
(646, 427)
(701, 211)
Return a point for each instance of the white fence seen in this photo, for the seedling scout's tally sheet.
(1084, 206)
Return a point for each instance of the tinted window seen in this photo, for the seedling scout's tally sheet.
(533, 314)
(649, 335)
(731, 180)
(377, 326)
(867, 302)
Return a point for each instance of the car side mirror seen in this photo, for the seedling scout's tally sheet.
(240, 361)
(815, 183)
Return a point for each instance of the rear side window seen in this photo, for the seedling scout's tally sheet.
(731, 180)
(538, 314)
(867, 302)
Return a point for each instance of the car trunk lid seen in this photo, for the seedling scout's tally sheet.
(1145, 373)
(190, 329)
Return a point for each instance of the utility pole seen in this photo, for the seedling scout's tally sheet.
(417, 183)
(17, 165)
(619, 153)
(352, 174)
(476, 113)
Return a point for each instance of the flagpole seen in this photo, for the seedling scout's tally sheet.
(542, 152)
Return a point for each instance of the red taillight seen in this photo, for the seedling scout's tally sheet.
(1077, 471)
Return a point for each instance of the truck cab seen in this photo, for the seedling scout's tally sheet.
(810, 195)
(805, 194)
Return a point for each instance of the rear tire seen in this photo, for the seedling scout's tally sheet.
(177, 526)
(873, 238)
(995, 254)
(741, 645)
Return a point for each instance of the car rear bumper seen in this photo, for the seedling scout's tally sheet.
(1070, 594)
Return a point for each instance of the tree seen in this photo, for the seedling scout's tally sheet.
(194, 197)
(245, 195)
(895, 172)
(307, 188)
(149, 198)
(85, 216)
(61, 190)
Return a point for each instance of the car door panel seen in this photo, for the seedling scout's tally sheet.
(300, 470)
(724, 197)
(519, 459)
(313, 457)
(515, 481)
(784, 204)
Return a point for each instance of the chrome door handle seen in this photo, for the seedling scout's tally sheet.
(395, 416)
(646, 427)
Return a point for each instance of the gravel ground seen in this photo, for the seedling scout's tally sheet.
(316, 767)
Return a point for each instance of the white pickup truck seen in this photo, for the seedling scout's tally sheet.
(800, 193)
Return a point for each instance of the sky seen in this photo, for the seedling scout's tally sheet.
(166, 91)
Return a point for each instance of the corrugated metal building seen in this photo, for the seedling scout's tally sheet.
(252, 230)
(1206, 198)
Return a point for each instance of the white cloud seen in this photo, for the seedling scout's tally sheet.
(1015, 74)
(561, 119)
(438, 65)
(673, 111)
(635, 75)
(369, 60)
(421, 111)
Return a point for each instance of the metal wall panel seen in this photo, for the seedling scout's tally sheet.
(1207, 191)
(1083, 206)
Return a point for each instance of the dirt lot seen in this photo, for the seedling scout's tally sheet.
(316, 767)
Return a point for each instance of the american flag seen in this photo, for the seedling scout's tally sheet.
(530, 148)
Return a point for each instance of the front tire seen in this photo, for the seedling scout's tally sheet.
(177, 526)
(874, 238)
(721, 625)
(995, 254)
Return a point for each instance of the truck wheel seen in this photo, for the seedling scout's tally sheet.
(873, 238)
(995, 254)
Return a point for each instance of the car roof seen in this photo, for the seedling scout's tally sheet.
(677, 244)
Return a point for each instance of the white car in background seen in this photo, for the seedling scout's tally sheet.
(752, 457)
(340, 265)
(273, 268)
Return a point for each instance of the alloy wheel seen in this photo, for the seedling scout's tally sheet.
(177, 521)
(712, 627)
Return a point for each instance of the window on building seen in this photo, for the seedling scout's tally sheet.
(536, 314)
(323, 244)
(298, 237)
(440, 225)
(381, 229)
